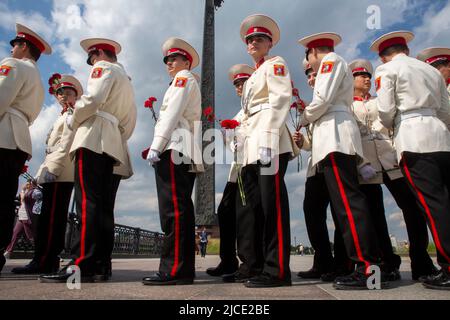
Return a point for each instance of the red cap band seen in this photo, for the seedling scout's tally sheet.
(438, 58)
(321, 43)
(258, 30)
(241, 76)
(179, 51)
(33, 40)
(102, 46)
(391, 42)
(360, 70)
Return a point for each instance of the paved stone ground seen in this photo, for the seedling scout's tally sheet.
(127, 274)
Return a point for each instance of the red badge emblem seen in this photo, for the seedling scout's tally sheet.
(327, 67)
(4, 70)
(97, 73)
(279, 70)
(378, 83)
(180, 82)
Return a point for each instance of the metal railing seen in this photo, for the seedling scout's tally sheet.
(128, 241)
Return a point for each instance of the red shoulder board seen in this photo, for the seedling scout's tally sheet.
(279, 70)
(327, 67)
(378, 83)
(97, 73)
(4, 70)
(180, 82)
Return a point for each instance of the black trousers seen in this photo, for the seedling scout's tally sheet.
(315, 206)
(352, 209)
(93, 189)
(428, 175)
(51, 227)
(276, 234)
(11, 164)
(374, 195)
(174, 185)
(416, 226)
(226, 213)
(250, 223)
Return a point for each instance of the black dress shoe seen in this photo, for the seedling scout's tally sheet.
(438, 282)
(356, 281)
(393, 275)
(103, 271)
(31, 268)
(62, 277)
(162, 279)
(310, 274)
(237, 276)
(221, 270)
(266, 280)
(422, 275)
(2, 261)
(331, 276)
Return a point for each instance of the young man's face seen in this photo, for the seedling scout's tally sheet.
(362, 82)
(66, 96)
(239, 85)
(175, 64)
(314, 60)
(258, 46)
(445, 70)
(311, 76)
(18, 50)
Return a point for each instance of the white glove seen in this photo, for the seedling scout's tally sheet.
(236, 147)
(265, 155)
(153, 157)
(49, 177)
(69, 121)
(367, 172)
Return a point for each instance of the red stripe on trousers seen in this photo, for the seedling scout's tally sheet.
(177, 218)
(50, 227)
(348, 210)
(428, 212)
(279, 226)
(83, 210)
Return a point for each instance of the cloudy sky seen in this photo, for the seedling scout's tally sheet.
(141, 26)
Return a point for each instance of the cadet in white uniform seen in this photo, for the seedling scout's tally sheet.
(336, 149)
(176, 156)
(413, 101)
(315, 205)
(56, 176)
(380, 153)
(248, 221)
(21, 96)
(101, 118)
(269, 146)
(231, 200)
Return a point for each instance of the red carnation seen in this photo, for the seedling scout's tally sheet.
(145, 153)
(208, 111)
(230, 124)
(51, 91)
(149, 102)
(56, 76)
(24, 169)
